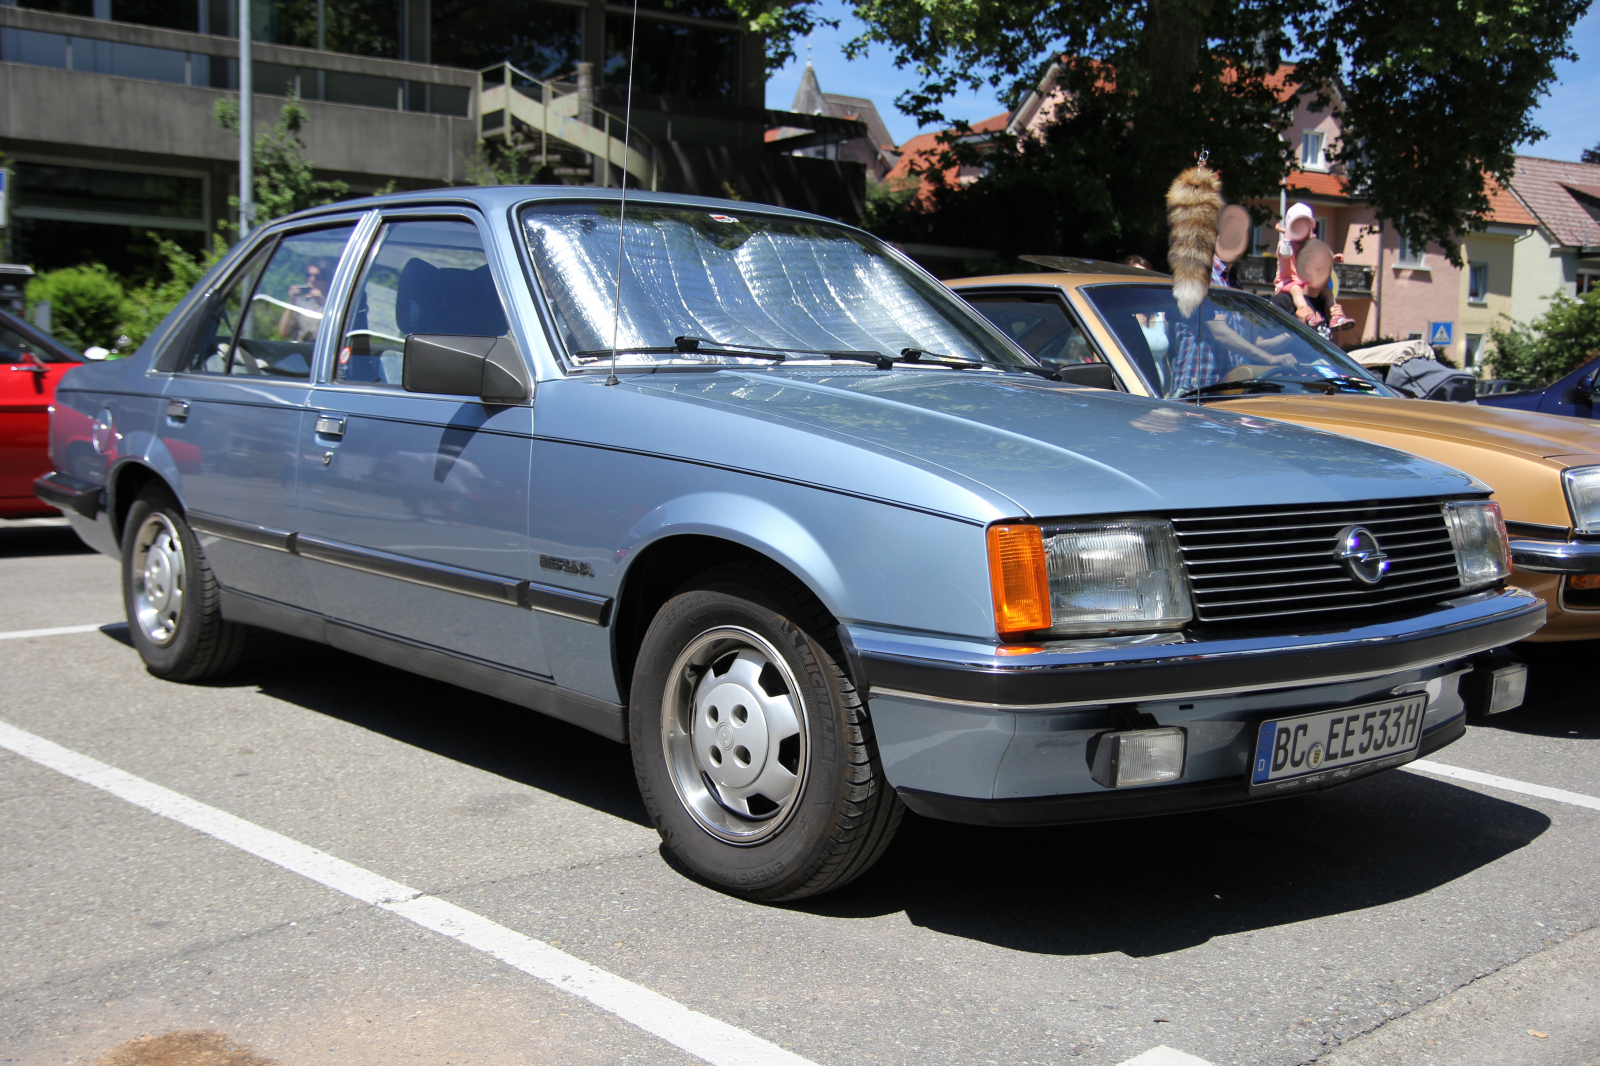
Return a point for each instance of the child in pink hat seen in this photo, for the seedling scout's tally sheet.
(1296, 228)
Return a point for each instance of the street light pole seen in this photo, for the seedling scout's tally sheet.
(247, 126)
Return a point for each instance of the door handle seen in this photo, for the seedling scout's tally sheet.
(330, 426)
(178, 410)
(29, 368)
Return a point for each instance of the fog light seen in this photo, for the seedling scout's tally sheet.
(1510, 685)
(1138, 757)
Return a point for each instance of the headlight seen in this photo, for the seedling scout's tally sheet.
(1583, 497)
(1101, 577)
(1479, 535)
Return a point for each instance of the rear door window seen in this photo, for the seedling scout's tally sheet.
(266, 321)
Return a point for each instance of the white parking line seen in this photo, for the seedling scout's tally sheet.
(1507, 784)
(1163, 1055)
(58, 631)
(700, 1035)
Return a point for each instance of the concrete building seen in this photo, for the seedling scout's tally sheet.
(107, 107)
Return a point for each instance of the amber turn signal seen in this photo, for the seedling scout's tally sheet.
(1019, 580)
(1586, 582)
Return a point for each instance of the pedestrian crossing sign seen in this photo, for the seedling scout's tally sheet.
(1439, 334)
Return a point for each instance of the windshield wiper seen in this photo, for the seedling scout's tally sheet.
(701, 346)
(914, 355)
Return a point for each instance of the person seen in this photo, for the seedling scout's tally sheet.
(301, 318)
(1233, 240)
(1297, 227)
(1138, 261)
(1313, 268)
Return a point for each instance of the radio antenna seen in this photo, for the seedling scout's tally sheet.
(622, 206)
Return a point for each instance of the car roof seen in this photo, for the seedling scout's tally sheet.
(494, 199)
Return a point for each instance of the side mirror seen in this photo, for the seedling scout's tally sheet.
(489, 368)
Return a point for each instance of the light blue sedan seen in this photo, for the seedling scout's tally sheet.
(745, 489)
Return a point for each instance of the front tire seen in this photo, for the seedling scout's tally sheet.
(172, 600)
(753, 750)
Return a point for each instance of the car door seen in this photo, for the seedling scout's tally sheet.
(414, 507)
(29, 371)
(235, 403)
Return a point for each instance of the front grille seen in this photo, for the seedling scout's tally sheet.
(1270, 562)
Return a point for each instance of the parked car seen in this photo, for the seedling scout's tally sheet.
(808, 533)
(1105, 325)
(31, 363)
(1572, 395)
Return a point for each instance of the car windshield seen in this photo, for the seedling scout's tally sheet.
(703, 286)
(1235, 344)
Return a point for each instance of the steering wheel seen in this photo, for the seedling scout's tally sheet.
(1280, 373)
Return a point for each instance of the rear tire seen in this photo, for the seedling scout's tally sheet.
(754, 752)
(172, 600)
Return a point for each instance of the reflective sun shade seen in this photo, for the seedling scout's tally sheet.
(1018, 580)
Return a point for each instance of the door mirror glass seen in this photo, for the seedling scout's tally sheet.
(489, 368)
(428, 277)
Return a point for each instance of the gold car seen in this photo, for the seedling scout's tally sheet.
(1117, 327)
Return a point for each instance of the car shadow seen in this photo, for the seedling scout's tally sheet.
(480, 731)
(1560, 700)
(1158, 885)
(19, 541)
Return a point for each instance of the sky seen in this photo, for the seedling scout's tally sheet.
(1568, 114)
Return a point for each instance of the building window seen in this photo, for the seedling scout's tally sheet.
(1311, 157)
(1412, 256)
(544, 40)
(1319, 229)
(674, 60)
(1469, 357)
(1588, 283)
(1477, 283)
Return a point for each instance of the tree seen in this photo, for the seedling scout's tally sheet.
(85, 304)
(1433, 97)
(1591, 155)
(284, 179)
(1553, 345)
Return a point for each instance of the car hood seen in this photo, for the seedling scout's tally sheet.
(1521, 432)
(993, 445)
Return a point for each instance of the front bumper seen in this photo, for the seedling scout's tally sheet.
(969, 734)
(1556, 556)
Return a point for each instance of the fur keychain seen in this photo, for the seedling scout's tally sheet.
(1193, 203)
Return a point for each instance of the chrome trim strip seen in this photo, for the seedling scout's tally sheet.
(280, 540)
(1556, 557)
(431, 575)
(596, 610)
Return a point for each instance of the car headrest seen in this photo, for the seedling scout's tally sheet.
(449, 301)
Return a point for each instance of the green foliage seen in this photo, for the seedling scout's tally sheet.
(1553, 345)
(508, 162)
(1591, 155)
(284, 179)
(85, 304)
(781, 22)
(1433, 96)
(146, 305)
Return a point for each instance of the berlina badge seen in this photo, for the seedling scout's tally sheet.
(1357, 549)
(570, 566)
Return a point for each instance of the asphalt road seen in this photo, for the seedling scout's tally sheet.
(1405, 918)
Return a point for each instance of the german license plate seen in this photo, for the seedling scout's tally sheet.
(1315, 749)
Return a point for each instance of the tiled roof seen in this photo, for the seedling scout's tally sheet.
(922, 149)
(1506, 208)
(1317, 183)
(1555, 191)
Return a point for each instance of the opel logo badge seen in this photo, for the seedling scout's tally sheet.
(1357, 549)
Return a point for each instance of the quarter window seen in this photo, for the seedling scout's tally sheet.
(214, 348)
(1040, 327)
(427, 277)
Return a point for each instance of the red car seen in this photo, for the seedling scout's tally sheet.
(31, 363)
